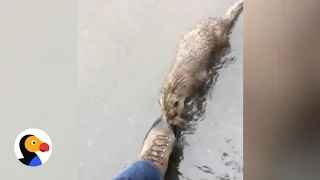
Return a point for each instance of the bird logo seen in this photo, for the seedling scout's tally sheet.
(33, 147)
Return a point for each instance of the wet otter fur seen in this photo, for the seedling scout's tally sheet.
(206, 42)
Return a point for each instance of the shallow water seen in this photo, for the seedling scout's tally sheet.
(125, 50)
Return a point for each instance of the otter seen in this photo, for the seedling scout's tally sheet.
(206, 42)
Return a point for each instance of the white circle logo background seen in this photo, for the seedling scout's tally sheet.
(44, 156)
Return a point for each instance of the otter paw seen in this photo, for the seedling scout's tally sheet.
(178, 122)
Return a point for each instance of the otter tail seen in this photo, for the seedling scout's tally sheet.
(233, 13)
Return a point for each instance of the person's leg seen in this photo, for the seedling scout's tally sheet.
(141, 169)
(154, 157)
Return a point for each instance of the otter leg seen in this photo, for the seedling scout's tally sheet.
(227, 49)
(178, 121)
(204, 78)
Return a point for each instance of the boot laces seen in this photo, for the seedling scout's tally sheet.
(158, 148)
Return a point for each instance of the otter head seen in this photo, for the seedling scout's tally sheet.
(172, 106)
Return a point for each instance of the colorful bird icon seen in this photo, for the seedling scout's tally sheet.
(29, 146)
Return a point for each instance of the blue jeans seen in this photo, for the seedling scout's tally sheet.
(140, 170)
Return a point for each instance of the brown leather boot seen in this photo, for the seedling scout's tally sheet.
(158, 145)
